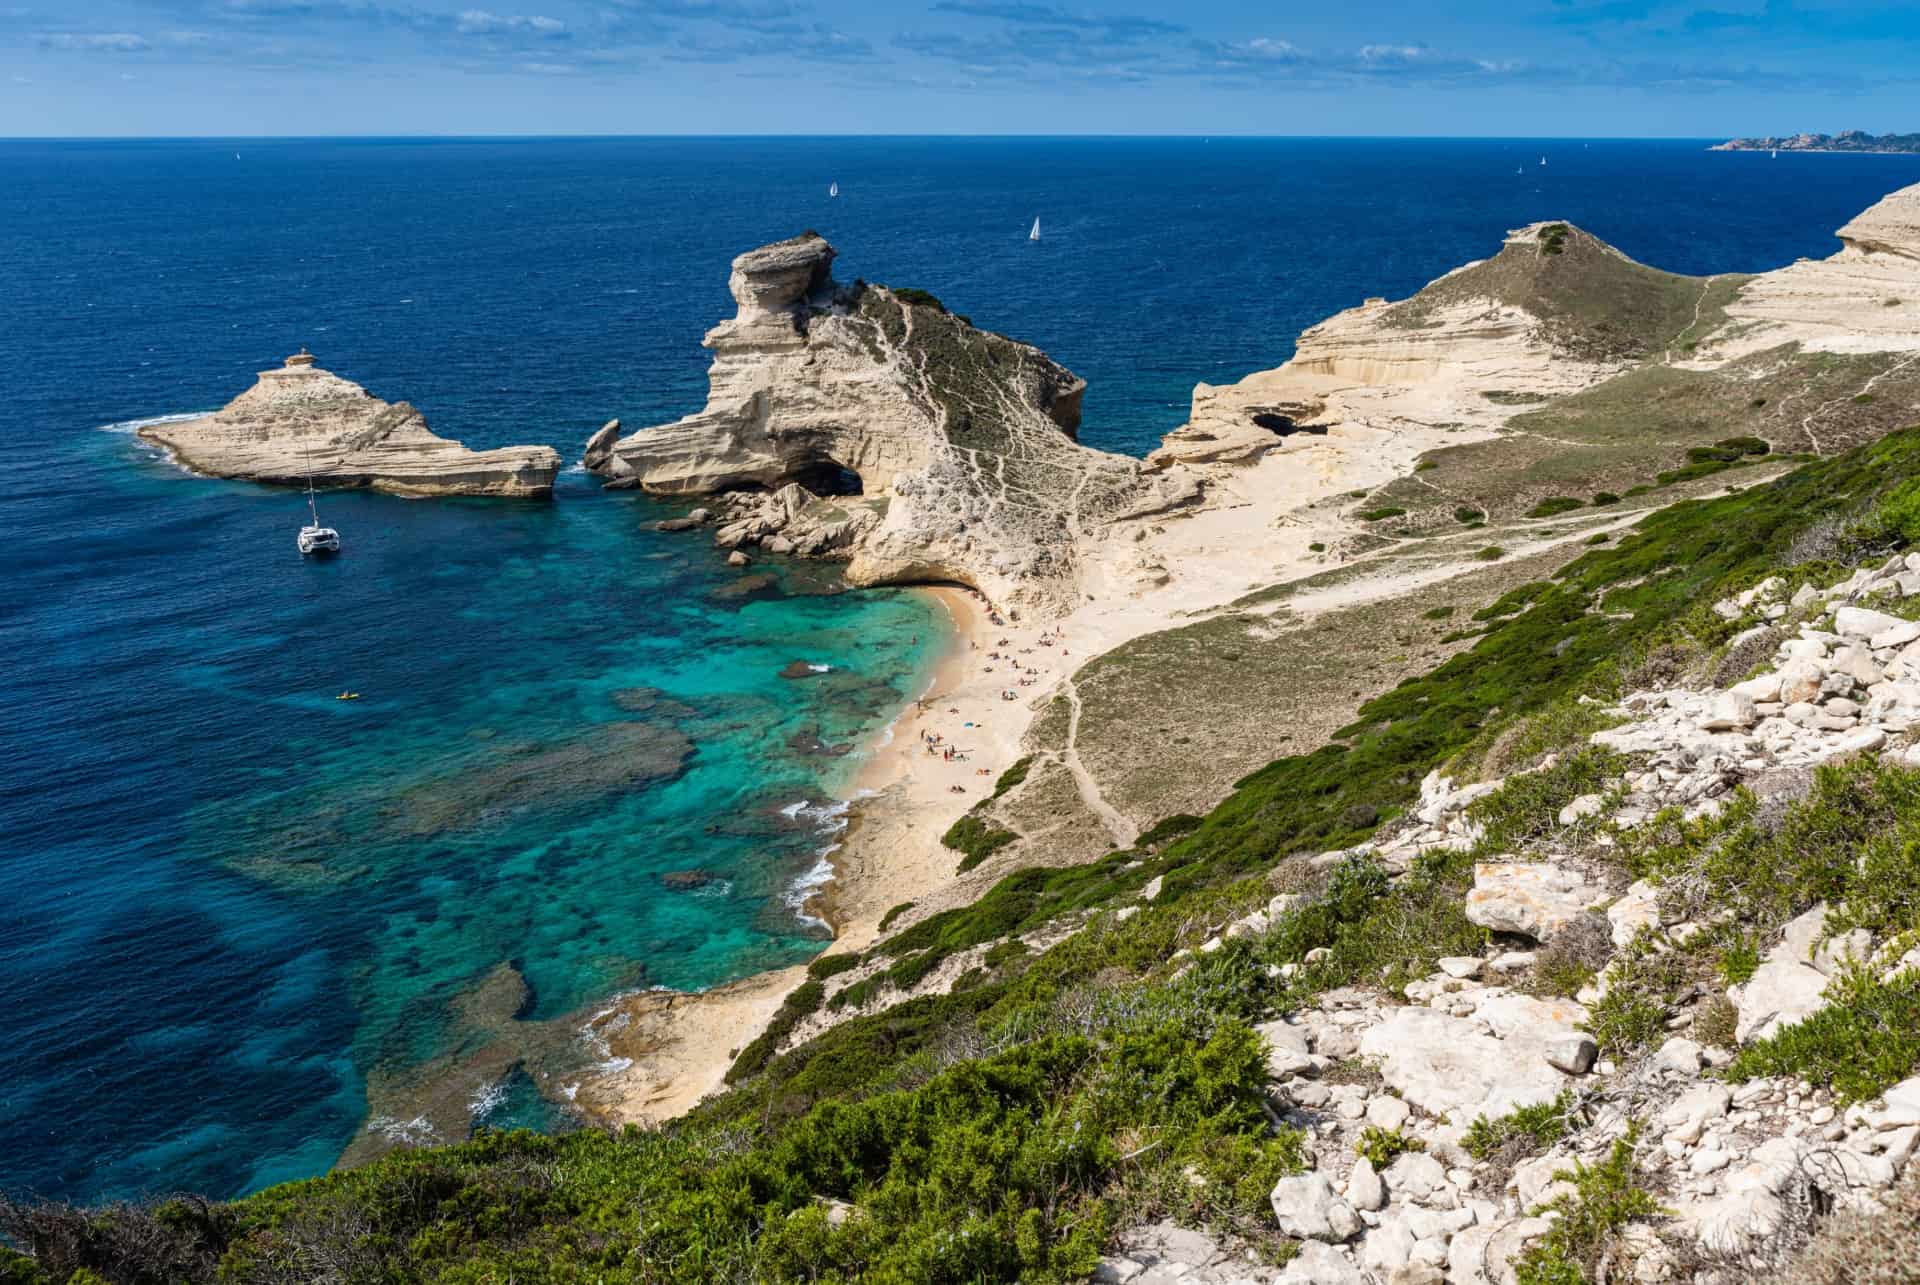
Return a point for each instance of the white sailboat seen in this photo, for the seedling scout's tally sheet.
(1776, 153)
(1543, 160)
(833, 189)
(315, 538)
(1035, 234)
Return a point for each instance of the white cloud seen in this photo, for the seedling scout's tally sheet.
(119, 41)
(479, 22)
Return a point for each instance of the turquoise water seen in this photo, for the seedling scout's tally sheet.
(233, 908)
(252, 896)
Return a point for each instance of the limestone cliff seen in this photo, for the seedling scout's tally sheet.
(1554, 311)
(301, 418)
(876, 426)
(1865, 298)
(1557, 311)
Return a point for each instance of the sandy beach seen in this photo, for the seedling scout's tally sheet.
(664, 1052)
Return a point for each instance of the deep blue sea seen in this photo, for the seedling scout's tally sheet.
(226, 899)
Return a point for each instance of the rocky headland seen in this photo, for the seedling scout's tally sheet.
(300, 420)
(872, 425)
(1847, 140)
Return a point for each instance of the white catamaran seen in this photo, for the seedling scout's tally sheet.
(315, 538)
(1035, 234)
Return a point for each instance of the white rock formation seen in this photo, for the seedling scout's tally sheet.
(924, 449)
(301, 418)
(1866, 298)
(1430, 359)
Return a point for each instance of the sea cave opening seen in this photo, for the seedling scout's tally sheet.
(830, 477)
(1283, 425)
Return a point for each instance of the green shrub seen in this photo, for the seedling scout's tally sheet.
(1167, 829)
(1527, 806)
(917, 298)
(1554, 504)
(1492, 553)
(1529, 1130)
(1645, 984)
(825, 966)
(1605, 1198)
(976, 839)
(1600, 538)
(1866, 1039)
(894, 913)
(1513, 601)
(1381, 514)
(1468, 515)
(1010, 778)
(1383, 1146)
(1437, 613)
(1601, 499)
(1316, 547)
(1747, 445)
(802, 1001)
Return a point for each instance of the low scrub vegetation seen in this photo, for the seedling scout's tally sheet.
(1005, 1129)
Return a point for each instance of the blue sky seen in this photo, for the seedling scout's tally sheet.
(1514, 67)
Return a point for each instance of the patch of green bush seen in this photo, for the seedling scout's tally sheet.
(1866, 1040)
(1383, 1146)
(1605, 1198)
(893, 913)
(802, 1001)
(1381, 514)
(976, 838)
(1553, 505)
(1437, 613)
(1468, 515)
(1513, 601)
(1011, 778)
(825, 966)
(1601, 499)
(916, 298)
(1522, 1132)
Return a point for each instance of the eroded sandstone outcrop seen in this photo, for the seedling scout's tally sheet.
(1555, 311)
(300, 420)
(873, 425)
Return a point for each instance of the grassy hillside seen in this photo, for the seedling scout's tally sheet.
(1597, 304)
(1007, 1129)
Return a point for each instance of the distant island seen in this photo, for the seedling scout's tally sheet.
(1850, 140)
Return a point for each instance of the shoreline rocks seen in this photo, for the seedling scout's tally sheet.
(300, 421)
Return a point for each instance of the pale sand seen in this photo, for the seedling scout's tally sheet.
(1250, 534)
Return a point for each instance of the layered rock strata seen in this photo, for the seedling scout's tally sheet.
(1555, 311)
(1866, 298)
(873, 425)
(301, 420)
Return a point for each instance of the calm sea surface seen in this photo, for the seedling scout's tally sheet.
(227, 899)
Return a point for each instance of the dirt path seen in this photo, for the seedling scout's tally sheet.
(1118, 827)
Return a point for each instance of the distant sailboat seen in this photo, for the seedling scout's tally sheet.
(1035, 234)
(833, 189)
(1776, 153)
(1543, 160)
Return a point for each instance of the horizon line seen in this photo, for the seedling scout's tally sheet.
(1038, 137)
